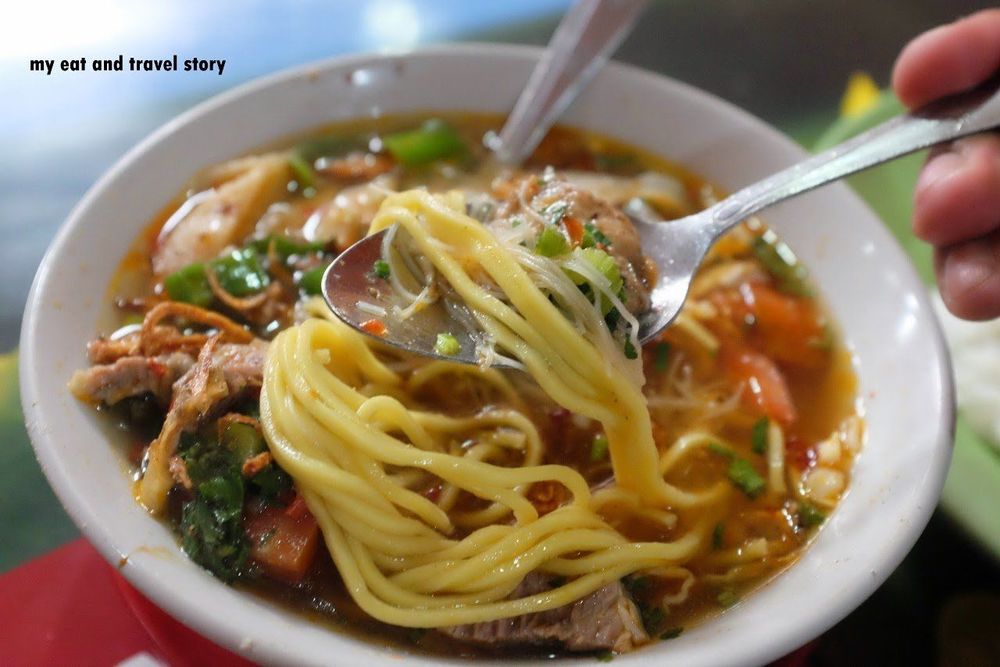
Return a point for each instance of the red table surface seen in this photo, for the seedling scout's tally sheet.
(70, 607)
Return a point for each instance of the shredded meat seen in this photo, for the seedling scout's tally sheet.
(222, 373)
(607, 619)
(130, 376)
(255, 464)
(531, 196)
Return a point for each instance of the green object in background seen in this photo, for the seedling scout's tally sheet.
(33, 520)
(888, 189)
(434, 140)
(972, 491)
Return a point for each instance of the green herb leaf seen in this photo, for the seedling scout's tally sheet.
(593, 236)
(824, 341)
(211, 524)
(758, 435)
(727, 597)
(314, 149)
(810, 515)
(745, 477)
(381, 269)
(630, 351)
(635, 585)
(606, 656)
(652, 619)
(447, 345)
(721, 450)
(285, 247)
(661, 357)
(599, 448)
(672, 633)
(271, 483)
(717, 534)
(614, 161)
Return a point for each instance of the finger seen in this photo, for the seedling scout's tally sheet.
(957, 197)
(948, 59)
(968, 277)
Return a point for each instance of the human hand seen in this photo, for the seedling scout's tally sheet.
(957, 197)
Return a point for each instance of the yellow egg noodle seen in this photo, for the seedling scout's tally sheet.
(339, 419)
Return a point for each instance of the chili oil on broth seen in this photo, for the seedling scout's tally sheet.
(825, 395)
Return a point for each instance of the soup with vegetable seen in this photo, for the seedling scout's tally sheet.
(574, 492)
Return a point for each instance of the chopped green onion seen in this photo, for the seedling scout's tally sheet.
(671, 633)
(781, 263)
(614, 161)
(606, 266)
(592, 236)
(302, 171)
(314, 149)
(810, 515)
(605, 656)
(652, 618)
(662, 356)
(727, 597)
(434, 140)
(243, 440)
(599, 448)
(635, 585)
(551, 243)
(189, 285)
(630, 351)
(717, 535)
(447, 345)
(554, 213)
(311, 281)
(381, 268)
(758, 435)
(721, 450)
(745, 477)
(824, 341)
(240, 272)
(285, 247)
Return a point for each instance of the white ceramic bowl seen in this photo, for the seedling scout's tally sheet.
(868, 283)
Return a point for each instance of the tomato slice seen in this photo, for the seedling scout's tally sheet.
(765, 386)
(283, 542)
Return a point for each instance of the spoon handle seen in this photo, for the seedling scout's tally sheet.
(967, 113)
(586, 37)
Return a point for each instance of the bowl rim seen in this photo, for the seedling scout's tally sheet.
(190, 613)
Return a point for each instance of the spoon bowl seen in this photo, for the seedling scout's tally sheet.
(678, 247)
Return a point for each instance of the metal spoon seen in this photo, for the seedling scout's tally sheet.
(679, 246)
(583, 42)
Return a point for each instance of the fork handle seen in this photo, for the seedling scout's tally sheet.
(977, 110)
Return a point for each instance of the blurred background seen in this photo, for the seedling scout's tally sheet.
(786, 61)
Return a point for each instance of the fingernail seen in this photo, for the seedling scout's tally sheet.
(939, 169)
